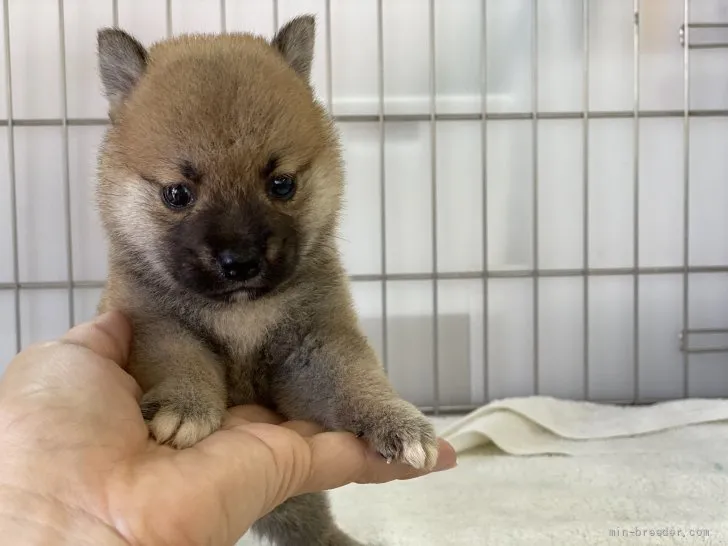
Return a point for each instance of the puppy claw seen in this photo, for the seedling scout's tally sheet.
(164, 425)
(402, 434)
(414, 454)
(179, 422)
(420, 455)
(191, 432)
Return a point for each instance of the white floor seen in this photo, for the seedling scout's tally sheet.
(673, 484)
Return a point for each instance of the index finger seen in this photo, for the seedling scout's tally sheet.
(339, 458)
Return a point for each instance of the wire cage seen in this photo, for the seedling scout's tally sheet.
(536, 189)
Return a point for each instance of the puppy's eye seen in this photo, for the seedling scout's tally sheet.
(282, 187)
(177, 196)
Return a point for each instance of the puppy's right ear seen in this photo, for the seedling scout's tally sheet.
(122, 62)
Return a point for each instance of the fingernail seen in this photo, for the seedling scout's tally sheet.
(447, 458)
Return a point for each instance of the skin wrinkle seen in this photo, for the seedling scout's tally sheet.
(76, 345)
(71, 510)
(118, 348)
(213, 486)
(277, 496)
(124, 479)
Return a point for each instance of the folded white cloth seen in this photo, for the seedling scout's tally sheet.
(544, 425)
(661, 486)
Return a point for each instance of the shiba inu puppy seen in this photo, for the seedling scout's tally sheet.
(219, 187)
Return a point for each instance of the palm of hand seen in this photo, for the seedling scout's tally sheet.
(77, 462)
(130, 484)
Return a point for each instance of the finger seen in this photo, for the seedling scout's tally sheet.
(254, 414)
(109, 336)
(243, 415)
(304, 428)
(260, 464)
(340, 458)
(83, 368)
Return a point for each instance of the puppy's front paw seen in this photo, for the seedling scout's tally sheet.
(180, 419)
(401, 433)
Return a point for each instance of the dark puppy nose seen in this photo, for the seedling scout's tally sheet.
(236, 267)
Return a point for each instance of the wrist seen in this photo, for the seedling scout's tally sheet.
(31, 518)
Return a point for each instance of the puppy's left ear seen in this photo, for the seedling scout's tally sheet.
(295, 41)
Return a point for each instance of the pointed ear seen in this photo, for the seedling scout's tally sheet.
(295, 41)
(122, 62)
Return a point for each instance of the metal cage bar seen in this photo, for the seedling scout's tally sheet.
(382, 183)
(685, 340)
(433, 212)
(168, 19)
(636, 199)
(329, 63)
(12, 177)
(686, 193)
(535, 207)
(457, 275)
(585, 203)
(702, 26)
(484, 167)
(468, 116)
(65, 165)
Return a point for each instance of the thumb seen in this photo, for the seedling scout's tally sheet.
(108, 335)
(85, 354)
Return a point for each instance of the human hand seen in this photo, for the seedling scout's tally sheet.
(77, 464)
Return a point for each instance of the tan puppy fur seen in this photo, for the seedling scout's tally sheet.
(220, 185)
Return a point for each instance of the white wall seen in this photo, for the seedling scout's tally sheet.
(559, 173)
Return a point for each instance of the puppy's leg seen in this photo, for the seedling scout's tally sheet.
(303, 521)
(183, 382)
(332, 376)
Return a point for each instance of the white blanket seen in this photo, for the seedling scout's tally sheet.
(540, 471)
(544, 425)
